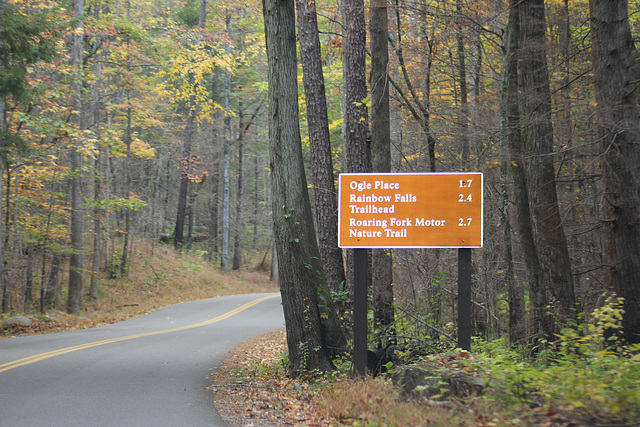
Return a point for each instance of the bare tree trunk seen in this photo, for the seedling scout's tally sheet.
(75, 298)
(3, 283)
(535, 104)
(463, 115)
(124, 259)
(300, 270)
(226, 168)
(324, 191)
(382, 263)
(516, 162)
(51, 288)
(616, 85)
(508, 117)
(273, 275)
(181, 215)
(356, 115)
(237, 250)
(28, 287)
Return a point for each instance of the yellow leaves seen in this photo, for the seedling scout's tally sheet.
(141, 149)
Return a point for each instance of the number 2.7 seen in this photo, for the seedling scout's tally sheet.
(463, 223)
(465, 183)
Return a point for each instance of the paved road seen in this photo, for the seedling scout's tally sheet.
(148, 371)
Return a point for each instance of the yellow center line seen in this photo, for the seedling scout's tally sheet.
(42, 356)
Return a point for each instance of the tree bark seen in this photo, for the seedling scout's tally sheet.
(300, 272)
(381, 275)
(324, 191)
(616, 85)
(515, 142)
(535, 104)
(226, 163)
(510, 162)
(190, 130)
(237, 249)
(463, 114)
(356, 115)
(75, 298)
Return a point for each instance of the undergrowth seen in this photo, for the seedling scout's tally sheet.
(584, 375)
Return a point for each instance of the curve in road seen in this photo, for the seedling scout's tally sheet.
(152, 370)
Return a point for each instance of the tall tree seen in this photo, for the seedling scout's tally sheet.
(538, 136)
(356, 115)
(189, 133)
(355, 100)
(226, 160)
(324, 190)
(382, 276)
(242, 130)
(463, 115)
(300, 272)
(75, 297)
(616, 84)
(511, 162)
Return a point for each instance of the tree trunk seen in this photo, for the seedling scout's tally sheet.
(324, 191)
(516, 160)
(616, 84)
(300, 271)
(213, 210)
(509, 137)
(463, 114)
(181, 214)
(535, 103)
(356, 120)
(382, 275)
(124, 259)
(3, 283)
(226, 168)
(75, 298)
(28, 287)
(51, 288)
(237, 250)
(356, 115)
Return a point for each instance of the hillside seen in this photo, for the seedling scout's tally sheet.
(158, 277)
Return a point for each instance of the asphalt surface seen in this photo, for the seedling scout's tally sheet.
(148, 371)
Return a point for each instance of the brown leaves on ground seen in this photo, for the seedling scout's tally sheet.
(61, 322)
(251, 390)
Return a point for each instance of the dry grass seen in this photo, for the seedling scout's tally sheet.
(376, 402)
(158, 277)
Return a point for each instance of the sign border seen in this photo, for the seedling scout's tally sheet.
(413, 246)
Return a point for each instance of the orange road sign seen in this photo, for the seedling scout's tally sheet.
(410, 210)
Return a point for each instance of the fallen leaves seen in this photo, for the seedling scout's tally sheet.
(248, 390)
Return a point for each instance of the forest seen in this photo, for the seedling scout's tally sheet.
(124, 121)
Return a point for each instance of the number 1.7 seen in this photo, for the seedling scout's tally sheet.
(465, 183)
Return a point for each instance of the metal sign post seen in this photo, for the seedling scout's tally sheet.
(464, 298)
(360, 311)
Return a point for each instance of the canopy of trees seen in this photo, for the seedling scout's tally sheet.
(124, 120)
